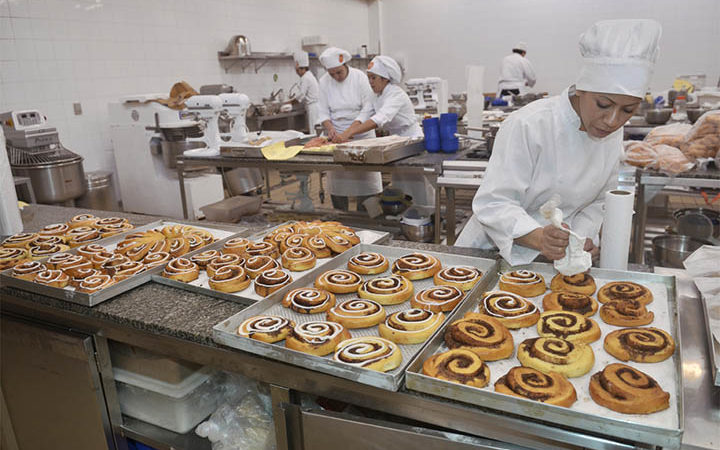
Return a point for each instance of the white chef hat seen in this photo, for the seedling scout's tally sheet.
(334, 57)
(385, 67)
(522, 45)
(619, 56)
(302, 59)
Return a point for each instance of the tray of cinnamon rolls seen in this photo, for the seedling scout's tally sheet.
(598, 352)
(363, 315)
(89, 271)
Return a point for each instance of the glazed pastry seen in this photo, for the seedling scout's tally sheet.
(204, 235)
(624, 291)
(27, 270)
(58, 258)
(357, 313)
(568, 325)
(172, 231)
(98, 259)
(337, 242)
(82, 220)
(459, 366)
(463, 277)
(202, 259)
(556, 355)
(416, 266)
(525, 382)
(156, 259)
(20, 240)
(368, 263)
(270, 281)
(316, 338)
(135, 250)
(99, 223)
(369, 352)
(128, 269)
(179, 246)
(338, 281)
(81, 274)
(12, 256)
(626, 314)
(43, 251)
(71, 265)
(236, 246)
(95, 283)
(112, 264)
(181, 269)
(481, 334)
(318, 245)
(263, 248)
(298, 259)
(511, 309)
(255, 265)
(79, 231)
(88, 250)
(390, 290)
(162, 246)
(582, 283)
(266, 328)
(570, 301)
(627, 390)
(56, 229)
(646, 345)
(438, 298)
(347, 232)
(229, 279)
(309, 300)
(291, 241)
(78, 240)
(112, 230)
(412, 326)
(225, 259)
(277, 238)
(54, 278)
(41, 241)
(523, 282)
(194, 241)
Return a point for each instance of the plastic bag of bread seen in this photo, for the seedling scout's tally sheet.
(672, 134)
(639, 153)
(670, 160)
(703, 139)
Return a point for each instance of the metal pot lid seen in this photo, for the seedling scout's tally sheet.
(98, 178)
(47, 156)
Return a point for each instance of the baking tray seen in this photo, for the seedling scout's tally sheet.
(664, 428)
(70, 295)
(382, 154)
(248, 296)
(713, 344)
(224, 332)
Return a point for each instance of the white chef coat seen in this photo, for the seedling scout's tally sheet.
(343, 103)
(308, 94)
(515, 71)
(540, 151)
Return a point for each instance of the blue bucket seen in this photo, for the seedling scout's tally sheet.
(431, 128)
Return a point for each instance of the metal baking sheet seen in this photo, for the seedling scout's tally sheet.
(70, 295)
(346, 153)
(663, 428)
(225, 331)
(713, 344)
(248, 296)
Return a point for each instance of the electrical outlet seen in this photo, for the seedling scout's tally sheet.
(77, 108)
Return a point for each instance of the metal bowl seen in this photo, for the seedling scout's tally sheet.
(171, 150)
(657, 116)
(711, 214)
(670, 250)
(695, 113)
(418, 233)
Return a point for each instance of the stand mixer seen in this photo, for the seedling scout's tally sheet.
(206, 109)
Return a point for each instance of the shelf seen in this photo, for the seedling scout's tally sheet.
(161, 438)
(259, 59)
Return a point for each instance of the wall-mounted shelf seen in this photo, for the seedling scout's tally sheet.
(259, 59)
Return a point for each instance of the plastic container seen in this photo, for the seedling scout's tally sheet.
(149, 364)
(174, 406)
(232, 209)
(431, 129)
(448, 127)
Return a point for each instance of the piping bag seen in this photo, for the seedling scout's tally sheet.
(576, 259)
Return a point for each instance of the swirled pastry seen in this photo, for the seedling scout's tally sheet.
(255, 265)
(624, 291)
(482, 335)
(337, 242)
(627, 390)
(202, 259)
(369, 352)
(266, 328)
(99, 223)
(357, 313)
(181, 269)
(45, 250)
(82, 274)
(411, 326)
(236, 246)
(58, 258)
(54, 278)
(28, 269)
(156, 259)
(128, 269)
(82, 220)
(179, 246)
(390, 290)
(511, 309)
(270, 281)
(225, 259)
(172, 231)
(20, 240)
(263, 248)
(112, 230)
(338, 281)
(309, 300)
(316, 338)
(71, 265)
(523, 282)
(438, 298)
(647, 345)
(525, 382)
(582, 283)
(79, 240)
(12, 256)
(292, 241)
(135, 250)
(568, 325)
(298, 259)
(41, 241)
(205, 236)
(90, 249)
(463, 277)
(277, 238)
(56, 229)
(317, 244)
(416, 266)
(111, 265)
(195, 241)
(79, 231)
(629, 313)
(98, 259)
(95, 283)
(229, 279)
(549, 354)
(459, 366)
(368, 263)
(570, 301)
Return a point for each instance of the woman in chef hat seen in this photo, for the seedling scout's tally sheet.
(569, 145)
(308, 90)
(345, 98)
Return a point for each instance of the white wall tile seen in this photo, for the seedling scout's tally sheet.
(18, 8)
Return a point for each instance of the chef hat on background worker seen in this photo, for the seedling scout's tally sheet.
(522, 46)
(619, 56)
(334, 57)
(302, 59)
(385, 67)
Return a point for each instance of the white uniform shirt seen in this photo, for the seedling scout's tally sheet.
(540, 151)
(309, 90)
(393, 111)
(514, 72)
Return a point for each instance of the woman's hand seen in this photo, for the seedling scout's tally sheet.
(331, 132)
(592, 249)
(342, 137)
(553, 242)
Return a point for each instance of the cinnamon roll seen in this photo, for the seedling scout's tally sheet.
(511, 309)
(277, 238)
(229, 278)
(459, 366)
(113, 229)
(646, 345)
(179, 246)
(337, 242)
(438, 298)
(348, 233)
(135, 250)
(194, 241)
(309, 300)
(111, 265)
(236, 246)
(225, 259)
(266, 328)
(79, 231)
(263, 248)
(523, 282)
(128, 269)
(298, 259)
(115, 221)
(463, 277)
(202, 259)
(568, 325)
(71, 265)
(51, 277)
(45, 250)
(41, 241)
(12, 256)
(56, 229)
(482, 335)
(369, 352)
(412, 326)
(525, 382)
(627, 390)
(78, 240)
(172, 231)
(390, 290)
(162, 246)
(624, 291)
(20, 240)
(338, 281)
(82, 220)
(90, 249)
(416, 266)
(570, 301)
(205, 236)
(582, 283)
(629, 313)
(95, 283)
(81, 274)
(368, 263)
(255, 265)
(58, 258)
(549, 354)
(270, 281)
(357, 313)
(153, 260)
(316, 338)
(98, 259)
(318, 245)
(27, 270)
(292, 241)
(181, 269)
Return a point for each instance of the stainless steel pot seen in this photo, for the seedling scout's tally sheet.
(57, 182)
(658, 116)
(171, 149)
(711, 214)
(243, 180)
(670, 250)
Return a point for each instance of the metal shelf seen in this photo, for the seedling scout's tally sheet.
(162, 439)
(259, 59)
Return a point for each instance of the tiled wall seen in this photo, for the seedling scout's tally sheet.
(56, 52)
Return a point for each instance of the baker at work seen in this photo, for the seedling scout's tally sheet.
(516, 72)
(568, 145)
(346, 97)
(308, 90)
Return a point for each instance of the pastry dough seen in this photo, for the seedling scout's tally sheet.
(556, 355)
(266, 328)
(357, 313)
(525, 382)
(229, 279)
(416, 266)
(511, 309)
(567, 325)
(309, 300)
(570, 301)
(338, 281)
(582, 283)
(627, 390)
(390, 290)
(463, 277)
(368, 263)
(181, 269)
(270, 281)
(412, 326)
(626, 314)
(369, 352)
(481, 334)
(438, 298)
(523, 282)
(459, 366)
(623, 291)
(316, 338)
(646, 345)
